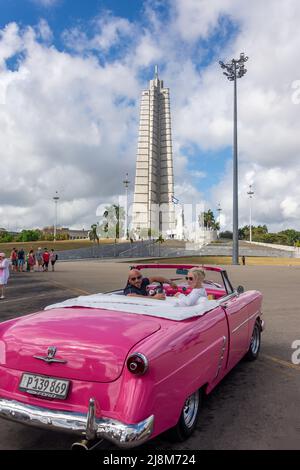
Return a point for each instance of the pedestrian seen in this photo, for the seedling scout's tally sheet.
(243, 260)
(31, 261)
(4, 273)
(53, 258)
(14, 260)
(21, 260)
(46, 258)
(27, 262)
(39, 259)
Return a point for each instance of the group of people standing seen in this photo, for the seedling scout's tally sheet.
(21, 261)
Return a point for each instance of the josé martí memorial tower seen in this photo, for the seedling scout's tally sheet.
(154, 181)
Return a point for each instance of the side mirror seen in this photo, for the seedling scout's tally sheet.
(240, 290)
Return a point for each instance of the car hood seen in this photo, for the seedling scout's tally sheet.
(94, 342)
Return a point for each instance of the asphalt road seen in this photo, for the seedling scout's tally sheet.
(255, 407)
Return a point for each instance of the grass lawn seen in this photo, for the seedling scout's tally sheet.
(58, 246)
(224, 260)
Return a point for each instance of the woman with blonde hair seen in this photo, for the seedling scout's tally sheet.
(195, 277)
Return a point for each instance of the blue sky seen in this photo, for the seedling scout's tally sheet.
(63, 13)
(87, 62)
(66, 14)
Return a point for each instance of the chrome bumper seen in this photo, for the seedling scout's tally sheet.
(88, 426)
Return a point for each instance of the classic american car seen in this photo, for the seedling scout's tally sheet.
(123, 369)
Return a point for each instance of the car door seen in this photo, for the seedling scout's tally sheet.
(236, 308)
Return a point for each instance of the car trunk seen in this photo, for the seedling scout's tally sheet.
(94, 342)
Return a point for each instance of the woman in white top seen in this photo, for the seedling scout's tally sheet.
(195, 278)
(4, 273)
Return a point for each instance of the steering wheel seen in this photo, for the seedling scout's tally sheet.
(157, 289)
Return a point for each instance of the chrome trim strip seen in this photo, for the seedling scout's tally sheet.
(121, 434)
(227, 298)
(246, 321)
(50, 360)
(50, 356)
(221, 356)
(254, 315)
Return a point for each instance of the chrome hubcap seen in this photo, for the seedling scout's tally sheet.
(190, 409)
(255, 340)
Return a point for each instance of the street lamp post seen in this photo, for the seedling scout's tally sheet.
(250, 193)
(56, 199)
(235, 69)
(219, 217)
(126, 184)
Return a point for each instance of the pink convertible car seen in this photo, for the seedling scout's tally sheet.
(126, 369)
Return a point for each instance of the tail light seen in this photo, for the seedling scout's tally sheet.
(137, 364)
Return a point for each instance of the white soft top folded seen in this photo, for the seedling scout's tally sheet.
(142, 306)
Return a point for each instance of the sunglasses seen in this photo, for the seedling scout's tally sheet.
(135, 278)
(189, 278)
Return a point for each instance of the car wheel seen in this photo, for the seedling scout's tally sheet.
(188, 418)
(255, 342)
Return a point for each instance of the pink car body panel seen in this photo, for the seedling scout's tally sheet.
(92, 342)
(183, 357)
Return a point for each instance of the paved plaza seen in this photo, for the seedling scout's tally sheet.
(257, 404)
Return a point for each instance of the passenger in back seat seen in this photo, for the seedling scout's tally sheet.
(194, 278)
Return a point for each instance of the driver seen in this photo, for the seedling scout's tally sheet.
(136, 285)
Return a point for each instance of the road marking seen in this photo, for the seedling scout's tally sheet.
(14, 286)
(283, 371)
(282, 362)
(74, 289)
(25, 298)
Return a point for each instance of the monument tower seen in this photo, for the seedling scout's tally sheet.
(154, 182)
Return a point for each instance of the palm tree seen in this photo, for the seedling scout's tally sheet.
(105, 225)
(216, 226)
(208, 220)
(117, 209)
(160, 239)
(93, 235)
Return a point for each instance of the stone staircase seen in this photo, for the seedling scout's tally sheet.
(150, 249)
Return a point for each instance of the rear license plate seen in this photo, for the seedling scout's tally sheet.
(48, 387)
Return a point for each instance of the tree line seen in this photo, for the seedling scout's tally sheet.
(112, 225)
(31, 236)
(260, 233)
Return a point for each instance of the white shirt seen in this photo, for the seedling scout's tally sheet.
(4, 271)
(190, 299)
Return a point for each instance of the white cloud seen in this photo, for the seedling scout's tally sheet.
(274, 202)
(69, 123)
(10, 43)
(107, 31)
(44, 30)
(198, 18)
(269, 140)
(290, 207)
(62, 128)
(45, 3)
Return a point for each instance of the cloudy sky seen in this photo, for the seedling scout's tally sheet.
(71, 74)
